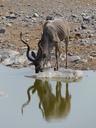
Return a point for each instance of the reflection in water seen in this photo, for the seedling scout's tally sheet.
(52, 106)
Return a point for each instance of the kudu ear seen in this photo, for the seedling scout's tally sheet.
(33, 54)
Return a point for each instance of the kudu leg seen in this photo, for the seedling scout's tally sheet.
(56, 55)
(67, 92)
(66, 49)
(58, 90)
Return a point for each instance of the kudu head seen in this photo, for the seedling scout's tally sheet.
(44, 48)
(36, 59)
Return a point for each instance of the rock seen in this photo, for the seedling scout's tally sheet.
(49, 18)
(62, 57)
(84, 42)
(90, 58)
(4, 54)
(73, 58)
(20, 60)
(83, 26)
(11, 58)
(74, 15)
(11, 16)
(93, 54)
(13, 53)
(2, 30)
(1, 5)
(35, 15)
(8, 56)
(34, 20)
(84, 61)
(94, 42)
(64, 75)
(78, 35)
(8, 62)
(9, 24)
(86, 18)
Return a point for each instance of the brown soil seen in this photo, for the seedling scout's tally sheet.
(33, 33)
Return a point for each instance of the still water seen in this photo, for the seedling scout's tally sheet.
(46, 104)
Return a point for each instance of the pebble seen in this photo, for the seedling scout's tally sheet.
(8, 62)
(74, 58)
(94, 42)
(9, 24)
(93, 54)
(84, 42)
(11, 57)
(84, 60)
(86, 18)
(35, 15)
(11, 16)
(83, 26)
(2, 30)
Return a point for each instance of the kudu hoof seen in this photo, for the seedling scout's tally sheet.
(55, 69)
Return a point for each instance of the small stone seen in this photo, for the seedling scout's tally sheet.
(78, 35)
(20, 60)
(8, 62)
(84, 42)
(1, 5)
(86, 18)
(2, 30)
(35, 15)
(11, 16)
(83, 26)
(93, 54)
(90, 58)
(62, 57)
(8, 24)
(13, 53)
(84, 61)
(83, 14)
(49, 18)
(74, 58)
(94, 42)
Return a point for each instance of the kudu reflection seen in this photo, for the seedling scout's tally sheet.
(52, 106)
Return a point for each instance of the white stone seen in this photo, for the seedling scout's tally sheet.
(8, 61)
(73, 58)
(20, 60)
(35, 15)
(9, 24)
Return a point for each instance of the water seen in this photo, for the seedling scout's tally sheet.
(50, 103)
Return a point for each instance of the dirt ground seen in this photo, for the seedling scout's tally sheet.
(32, 32)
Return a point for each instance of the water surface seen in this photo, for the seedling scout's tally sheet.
(46, 104)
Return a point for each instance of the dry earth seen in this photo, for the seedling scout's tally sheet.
(29, 15)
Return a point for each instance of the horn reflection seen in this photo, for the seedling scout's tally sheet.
(52, 106)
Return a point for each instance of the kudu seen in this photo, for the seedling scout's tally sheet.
(54, 31)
